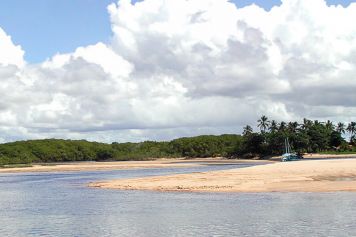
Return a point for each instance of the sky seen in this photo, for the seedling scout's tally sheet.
(109, 70)
(46, 27)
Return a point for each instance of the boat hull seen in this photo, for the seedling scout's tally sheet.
(290, 157)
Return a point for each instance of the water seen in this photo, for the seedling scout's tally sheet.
(60, 204)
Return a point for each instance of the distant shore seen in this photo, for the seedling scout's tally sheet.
(329, 175)
(316, 156)
(328, 156)
(122, 165)
(157, 163)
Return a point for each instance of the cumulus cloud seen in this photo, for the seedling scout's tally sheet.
(176, 68)
(10, 54)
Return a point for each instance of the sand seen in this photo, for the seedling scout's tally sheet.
(328, 156)
(298, 176)
(121, 165)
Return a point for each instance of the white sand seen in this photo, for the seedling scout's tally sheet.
(298, 176)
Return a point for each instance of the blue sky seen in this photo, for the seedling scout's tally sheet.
(45, 27)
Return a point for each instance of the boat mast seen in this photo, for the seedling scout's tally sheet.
(287, 146)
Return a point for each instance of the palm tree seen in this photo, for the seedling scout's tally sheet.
(340, 128)
(317, 123)
(273, 126)
(263, 123)
(293, 126)
(329, 125)
(282, 126)
(351, 128)
(307, 123)
(247, 130)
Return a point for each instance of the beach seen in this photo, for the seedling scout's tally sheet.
(314, 174)
(329, 175)
(124, 165)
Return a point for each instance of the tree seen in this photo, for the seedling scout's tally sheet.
(340, 128)
(247, 130)
(105, 154)
(273, 126)
(306, 124)
(316, 122)
(263, 123)
(282, 126)
(329, 125)
(336, 139)
(292, 127)
(276, 142)
(319, 137)
(351, 128)
(253, 144)
(301, 142)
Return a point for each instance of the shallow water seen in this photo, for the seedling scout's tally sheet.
(60, 204)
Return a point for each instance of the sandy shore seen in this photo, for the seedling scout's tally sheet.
(328, 156)
(121, 165)
(316, 156)
(299, 176)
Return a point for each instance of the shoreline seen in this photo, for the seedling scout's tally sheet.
(334, 175)
(328, 156)
(125, 165)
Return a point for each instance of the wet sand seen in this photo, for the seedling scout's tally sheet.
(299, 176)
(121, 165)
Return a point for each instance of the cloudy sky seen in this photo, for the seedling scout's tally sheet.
(159, 69)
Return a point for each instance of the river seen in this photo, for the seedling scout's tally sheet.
(60, 204)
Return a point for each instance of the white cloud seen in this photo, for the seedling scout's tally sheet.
(10, 54)
(186, 67)
(99, 54)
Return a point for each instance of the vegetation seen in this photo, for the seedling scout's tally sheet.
(309, 136)
(16, 166)
(52, 150)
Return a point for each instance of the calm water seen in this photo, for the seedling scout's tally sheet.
(60, 204)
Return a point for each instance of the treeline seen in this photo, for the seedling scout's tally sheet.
(308, 136)
(53, 150)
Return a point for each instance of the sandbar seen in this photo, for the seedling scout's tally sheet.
(330, 175)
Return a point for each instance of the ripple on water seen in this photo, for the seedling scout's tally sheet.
(61, 205)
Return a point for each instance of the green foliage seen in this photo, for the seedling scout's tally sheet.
(306, 137)
(49, 150)
(336, 139)
(52, 150)
(207, 146)
(142, 151)
(275, 141)
(253, 144)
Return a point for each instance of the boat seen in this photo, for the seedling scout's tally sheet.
(289, 155)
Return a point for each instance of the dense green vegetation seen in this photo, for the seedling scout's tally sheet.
(310, 136)
(52, 150)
